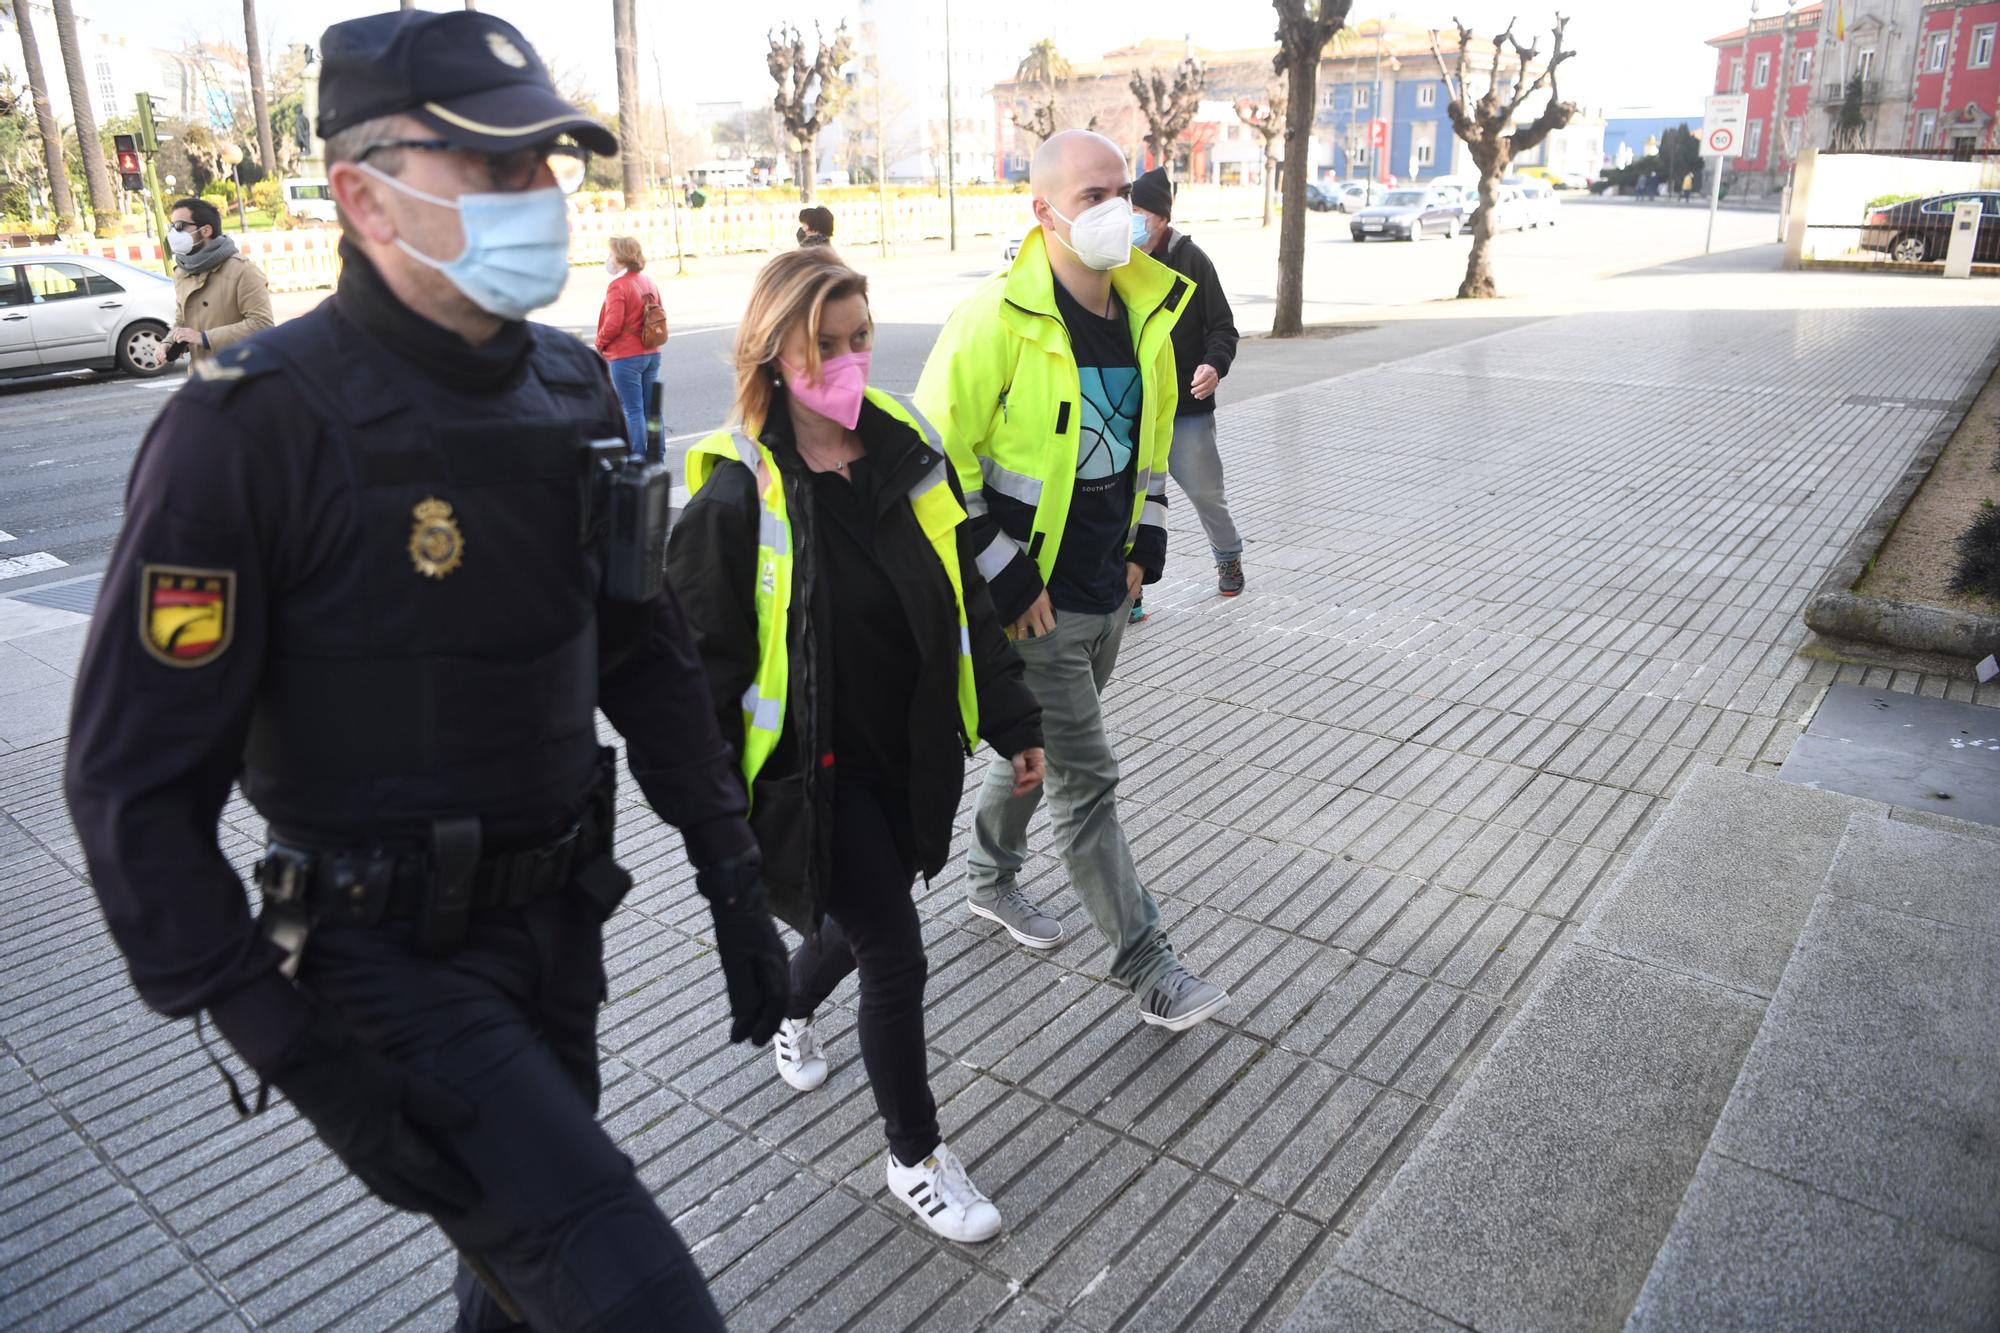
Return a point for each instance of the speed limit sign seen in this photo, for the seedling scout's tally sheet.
(1722, 119)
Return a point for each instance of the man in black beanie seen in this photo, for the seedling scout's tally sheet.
(815, 226)
(1204, 345)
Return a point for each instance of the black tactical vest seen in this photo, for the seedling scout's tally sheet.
(445, 661)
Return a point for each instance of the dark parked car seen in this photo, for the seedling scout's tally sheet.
(1409, 215)
(1917, 231)
(1320, 200)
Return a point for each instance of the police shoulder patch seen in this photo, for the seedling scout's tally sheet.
(187, 616)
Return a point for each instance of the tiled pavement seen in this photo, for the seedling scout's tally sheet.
(1502, 598)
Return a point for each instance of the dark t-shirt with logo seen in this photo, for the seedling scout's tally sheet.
(1089, 573)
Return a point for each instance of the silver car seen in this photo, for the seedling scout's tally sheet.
(78, 312)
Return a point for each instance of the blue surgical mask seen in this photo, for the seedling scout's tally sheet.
(516, 256)
(1138, 231)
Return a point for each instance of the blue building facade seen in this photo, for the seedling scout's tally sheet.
(1635, 132)
(1421, 143)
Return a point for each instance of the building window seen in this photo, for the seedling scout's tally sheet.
(1805, 68)
(1427, 95)
(1360, 155)
(1864, 63)
(1735, 76)
(1753, 143)
(1763, 75)
(1934, 52)
(1982, 46)
(1426, 154)
(1360, 97)
(1795, 128)
(1329, 97)
(1927, 129)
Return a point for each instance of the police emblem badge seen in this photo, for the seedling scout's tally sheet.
(436, 544)
(186, 616)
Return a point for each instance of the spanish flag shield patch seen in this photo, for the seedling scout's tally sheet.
(186, 616)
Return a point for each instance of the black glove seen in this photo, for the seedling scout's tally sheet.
(378, 1117)
(754, 967)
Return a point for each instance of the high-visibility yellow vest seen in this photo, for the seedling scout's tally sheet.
(938, 514)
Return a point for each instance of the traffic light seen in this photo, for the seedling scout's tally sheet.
(149, 137)
(127, 149)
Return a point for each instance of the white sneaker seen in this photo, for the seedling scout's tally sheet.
(800, 1061)
(938, 1190)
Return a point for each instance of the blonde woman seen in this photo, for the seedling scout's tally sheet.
(854, 656)
(621, 339)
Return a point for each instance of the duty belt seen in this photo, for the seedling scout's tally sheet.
(368, 885)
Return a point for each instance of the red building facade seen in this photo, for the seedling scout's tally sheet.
(1774, 61)
(1957, 85)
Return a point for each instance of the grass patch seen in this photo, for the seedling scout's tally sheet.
(1924, 560)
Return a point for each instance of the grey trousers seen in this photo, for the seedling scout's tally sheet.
(1196, 468)
(1066, 670)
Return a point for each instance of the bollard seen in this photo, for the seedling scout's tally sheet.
(1964, 239)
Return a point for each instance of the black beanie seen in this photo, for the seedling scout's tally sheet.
(1154, 193)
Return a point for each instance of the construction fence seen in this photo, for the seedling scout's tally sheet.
(307, 258)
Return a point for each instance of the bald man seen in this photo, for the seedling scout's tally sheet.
(1053, 388)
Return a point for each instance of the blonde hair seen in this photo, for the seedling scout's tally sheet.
(796, 286)
(625, 249)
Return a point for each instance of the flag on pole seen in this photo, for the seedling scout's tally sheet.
(1840, 23)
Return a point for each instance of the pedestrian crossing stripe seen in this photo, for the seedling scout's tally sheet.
(34, 562)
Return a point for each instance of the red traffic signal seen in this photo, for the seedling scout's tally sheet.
(128, 162)
(127, 149)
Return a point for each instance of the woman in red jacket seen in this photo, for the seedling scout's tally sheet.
(634, 366)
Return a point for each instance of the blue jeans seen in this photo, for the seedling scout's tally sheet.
(633, 377)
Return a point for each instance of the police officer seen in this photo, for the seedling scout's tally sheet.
(365, 572)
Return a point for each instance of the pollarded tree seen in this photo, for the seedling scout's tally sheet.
(1487, 126)
(631, 122)
(1168, 107)
(810, 91)
(1266, 120)
(1304, 29)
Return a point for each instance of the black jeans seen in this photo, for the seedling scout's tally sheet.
(871, 926)
(509, 1022)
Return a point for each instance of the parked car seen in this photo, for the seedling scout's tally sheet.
(1409, 215)
(1572, 180)
(1353, 196)
(1320, 199)
(1540, 203)
(1917, 231)
(77, 312)
(310, 199)
(1510, 210)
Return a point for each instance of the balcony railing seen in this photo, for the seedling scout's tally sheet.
(1835, 90)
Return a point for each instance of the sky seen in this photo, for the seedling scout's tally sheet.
(1632, 57)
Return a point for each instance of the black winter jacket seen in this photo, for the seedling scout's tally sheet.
(711, 562)
(1207, 332)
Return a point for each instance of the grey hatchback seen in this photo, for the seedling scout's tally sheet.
(1408, 215)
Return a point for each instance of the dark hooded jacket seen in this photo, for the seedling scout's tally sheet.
(711, 562)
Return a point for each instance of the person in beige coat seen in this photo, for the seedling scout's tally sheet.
(219, 296)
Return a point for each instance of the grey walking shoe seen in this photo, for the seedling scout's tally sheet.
(1229, 576)
(1180, 999)
(1027, 923)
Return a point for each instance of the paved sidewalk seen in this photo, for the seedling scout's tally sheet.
(1502, 598)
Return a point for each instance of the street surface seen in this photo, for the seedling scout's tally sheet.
(1512, 580)
(68, 441)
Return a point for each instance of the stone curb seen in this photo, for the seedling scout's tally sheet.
(1836, 610)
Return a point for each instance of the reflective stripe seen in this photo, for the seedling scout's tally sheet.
(774, 533)
(1026, 490)
(1154, 513)
(764, 714)
(964, 641)
(932, 478)
(975, 503)
(1156, 486)
(998, 554)
(908, 403)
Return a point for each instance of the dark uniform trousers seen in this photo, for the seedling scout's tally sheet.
(509, 1022)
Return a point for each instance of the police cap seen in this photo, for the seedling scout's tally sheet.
(470, 77)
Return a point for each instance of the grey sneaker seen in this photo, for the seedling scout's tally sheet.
(1027, 923)
(1229, 577)
(1180, 999)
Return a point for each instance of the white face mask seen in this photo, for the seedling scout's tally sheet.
(613, 267)
(1101, 236)
(180, 242)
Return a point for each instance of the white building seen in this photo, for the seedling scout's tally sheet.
(208, 82)
(907, 37)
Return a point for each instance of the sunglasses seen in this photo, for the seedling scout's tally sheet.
(510, 171)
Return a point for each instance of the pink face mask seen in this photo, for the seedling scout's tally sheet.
(837, 396)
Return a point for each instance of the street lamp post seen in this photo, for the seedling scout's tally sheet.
(950, 151)
(232, 154)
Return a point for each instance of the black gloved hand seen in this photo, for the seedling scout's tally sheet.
(755, 970)
(379, 1118)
